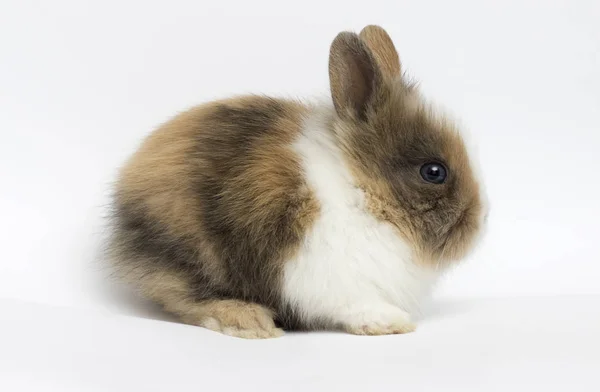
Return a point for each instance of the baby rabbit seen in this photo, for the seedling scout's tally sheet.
(252, 214)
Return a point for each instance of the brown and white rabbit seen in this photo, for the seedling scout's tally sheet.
(253, 213)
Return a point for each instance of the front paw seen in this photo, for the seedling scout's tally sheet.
(382, 320)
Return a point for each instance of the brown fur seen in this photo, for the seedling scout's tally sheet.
(353, 76)
(232, 317)
(387, 134)
(214, 202)
(237, 318)
(383, 49)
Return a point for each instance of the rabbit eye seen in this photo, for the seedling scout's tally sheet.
(434, 173)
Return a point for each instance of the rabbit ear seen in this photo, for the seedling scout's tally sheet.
(383, 49)
(354, 76)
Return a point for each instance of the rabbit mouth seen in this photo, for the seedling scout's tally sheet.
(459, 238)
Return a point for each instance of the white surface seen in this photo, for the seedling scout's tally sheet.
(81, 82)
(527, 344)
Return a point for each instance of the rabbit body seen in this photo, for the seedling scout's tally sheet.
(253, 214)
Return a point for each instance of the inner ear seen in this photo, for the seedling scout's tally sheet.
(354, 76)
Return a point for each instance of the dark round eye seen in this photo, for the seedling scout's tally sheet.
(434, 172)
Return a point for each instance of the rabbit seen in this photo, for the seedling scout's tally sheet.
(254, 215)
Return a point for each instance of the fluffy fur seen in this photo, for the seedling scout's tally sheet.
(250, 214)
(353, 271)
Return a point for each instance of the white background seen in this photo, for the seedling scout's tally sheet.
(81, 82)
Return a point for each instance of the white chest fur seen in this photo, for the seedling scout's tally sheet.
(351, 269)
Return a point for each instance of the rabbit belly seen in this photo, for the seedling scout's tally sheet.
(349, 259)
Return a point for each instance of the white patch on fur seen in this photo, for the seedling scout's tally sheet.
(352, 269)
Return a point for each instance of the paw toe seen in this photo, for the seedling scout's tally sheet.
(250, 322)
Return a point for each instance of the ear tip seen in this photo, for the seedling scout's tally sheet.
(372, 28)
(347, 40)
(345, 36)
